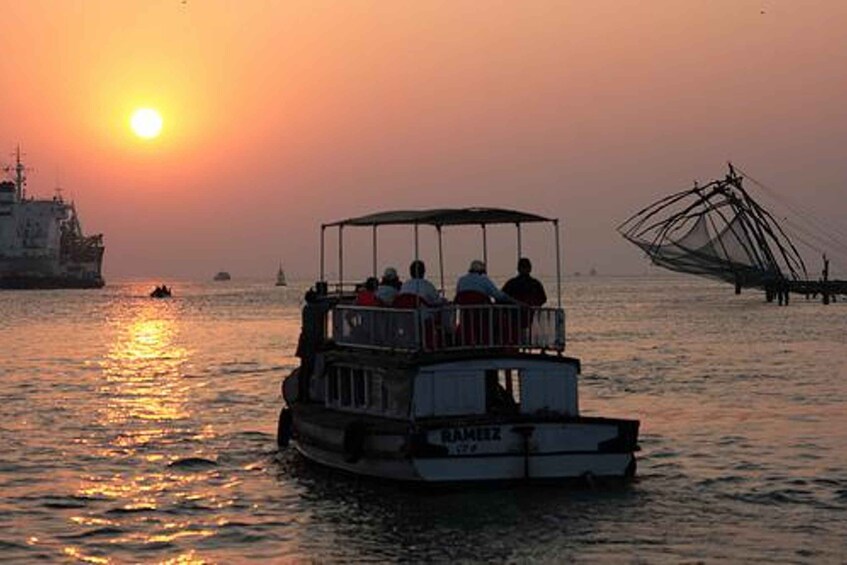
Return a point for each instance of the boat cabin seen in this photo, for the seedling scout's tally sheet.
(507, 386)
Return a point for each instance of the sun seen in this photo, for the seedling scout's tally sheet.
(146, 123)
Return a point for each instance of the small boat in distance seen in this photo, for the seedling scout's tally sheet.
(280, 277)
(452, 392)
(222, 276)
(161, 292)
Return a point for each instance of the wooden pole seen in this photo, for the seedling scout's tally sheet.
(825, 285)
(323, 231)
(484, 247)
(340, 259)
(440, 260)
(374, 252)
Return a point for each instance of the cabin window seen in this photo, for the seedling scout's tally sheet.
(347, 387)
(502, 391)
(364, 390)
(510, 380)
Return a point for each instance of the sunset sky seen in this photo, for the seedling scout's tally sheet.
(280, 115)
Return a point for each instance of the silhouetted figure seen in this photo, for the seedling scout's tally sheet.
(366, 294)
(418, 286)
(389, 286)
(312, 337)
(476, 281)
(524, 287)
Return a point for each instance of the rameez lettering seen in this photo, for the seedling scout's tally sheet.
(455, 435)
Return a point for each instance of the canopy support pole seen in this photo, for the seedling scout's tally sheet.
(440, 260)
(323, 232)
(520, 254)
(558, 266)
(340, 259)
(416, 242)
(374, 251)
(484, 246)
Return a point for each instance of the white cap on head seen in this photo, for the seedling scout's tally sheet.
(390, 273)
(477, 266)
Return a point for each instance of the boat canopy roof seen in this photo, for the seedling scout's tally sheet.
(443, 217)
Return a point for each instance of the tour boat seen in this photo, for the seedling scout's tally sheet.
(450, 393)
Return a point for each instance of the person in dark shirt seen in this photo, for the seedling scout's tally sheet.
(524, 288)
(529, 293)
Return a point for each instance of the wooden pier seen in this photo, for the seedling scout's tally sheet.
(827, 290)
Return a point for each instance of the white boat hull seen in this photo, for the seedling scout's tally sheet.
(479, 469)
(477, 453)
(536, 467)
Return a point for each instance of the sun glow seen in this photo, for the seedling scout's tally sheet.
(146, 123)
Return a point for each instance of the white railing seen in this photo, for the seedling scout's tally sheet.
(450, 327)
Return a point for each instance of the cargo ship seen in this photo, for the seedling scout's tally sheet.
(42, 244)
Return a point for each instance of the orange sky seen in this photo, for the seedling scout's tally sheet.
(280, 115)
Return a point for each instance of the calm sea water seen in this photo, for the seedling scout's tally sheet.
(135, 429)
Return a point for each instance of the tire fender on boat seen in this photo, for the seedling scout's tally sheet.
(354, 441)
(285, 428)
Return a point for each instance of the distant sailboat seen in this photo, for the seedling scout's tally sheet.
(280, 277)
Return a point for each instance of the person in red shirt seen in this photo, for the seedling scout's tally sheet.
(367, 293)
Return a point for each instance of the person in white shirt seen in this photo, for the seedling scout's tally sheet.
(419, 286)
(477, 281)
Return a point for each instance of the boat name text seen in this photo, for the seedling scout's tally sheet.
(453, 435)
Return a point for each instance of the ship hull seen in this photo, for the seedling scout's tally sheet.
(39, 273)
(46, 283)
(469, 449)
(563, 468)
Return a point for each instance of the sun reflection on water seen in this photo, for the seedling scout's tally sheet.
(143, 372)
(146, 411)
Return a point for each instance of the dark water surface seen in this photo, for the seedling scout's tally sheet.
(135, 429)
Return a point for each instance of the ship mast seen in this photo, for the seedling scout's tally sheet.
(20, 178)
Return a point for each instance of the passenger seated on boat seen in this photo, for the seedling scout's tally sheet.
(417, 292)
(388, 287)
(524, 287)
(433, 325)
(475, 289)
(529, 293)
(366, 293)
(474, 325)
(419, 287)
(365, 296)
(477, 280)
